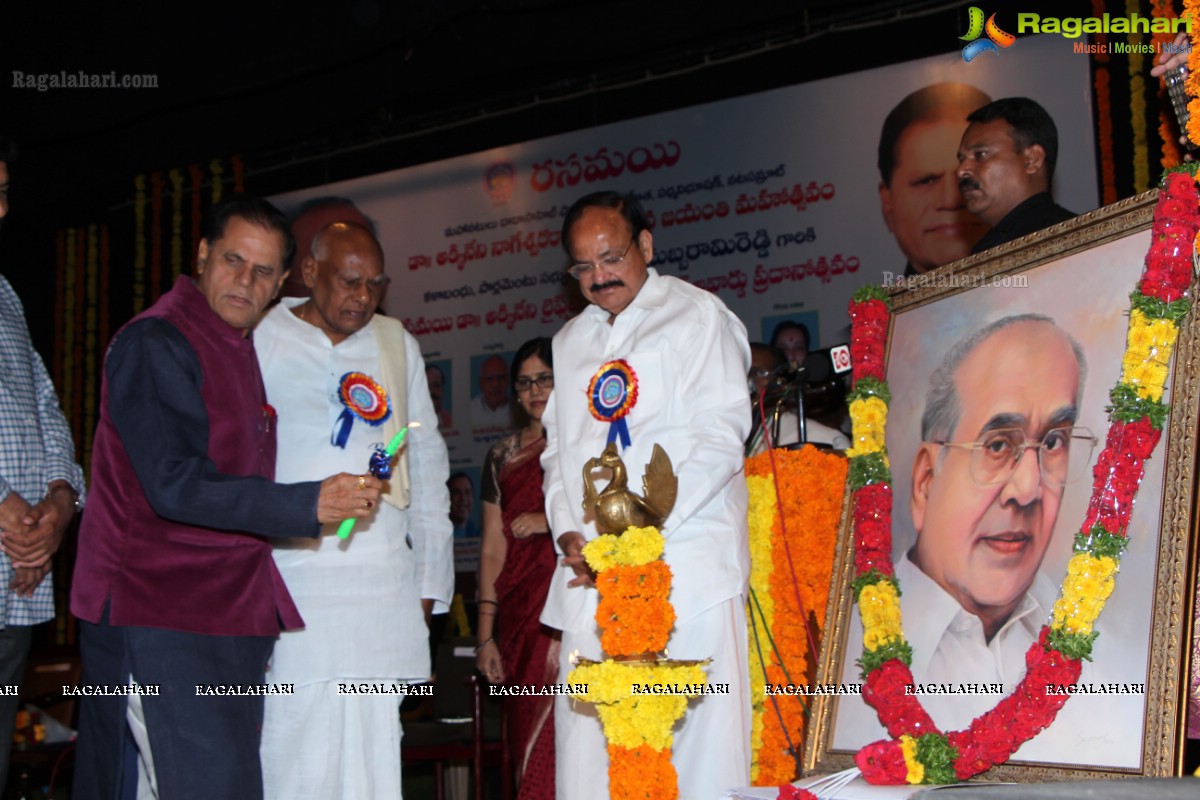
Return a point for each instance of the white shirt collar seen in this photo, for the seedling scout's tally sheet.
(284, 312)
(940, 612)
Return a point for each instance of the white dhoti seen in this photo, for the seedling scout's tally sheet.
(711, 752)
(319, 745)
(361, 597)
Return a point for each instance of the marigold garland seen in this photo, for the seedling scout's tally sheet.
(641, 773)
(1171, 155)
(632, 719)
(1104, 128)
(762, 512)
(1137, 105)
(811, 485)
(638, 702)
(635, 546)
(1191, 9)
(918, 752)
(634, 613)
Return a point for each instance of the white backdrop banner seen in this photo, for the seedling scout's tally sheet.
(769, 200)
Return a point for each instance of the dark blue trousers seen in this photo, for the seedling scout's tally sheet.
(203, 747)
(14, 650)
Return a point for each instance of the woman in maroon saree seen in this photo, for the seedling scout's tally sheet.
(515, 568)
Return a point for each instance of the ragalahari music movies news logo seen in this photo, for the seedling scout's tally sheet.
(996, 38)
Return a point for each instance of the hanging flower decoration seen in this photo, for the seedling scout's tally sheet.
(795, 510)
(1171, 155)
(918, 752)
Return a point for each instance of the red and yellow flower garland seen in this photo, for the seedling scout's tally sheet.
(810, 486)
(918, 752)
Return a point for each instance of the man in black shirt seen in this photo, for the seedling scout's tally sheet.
(1005, 165)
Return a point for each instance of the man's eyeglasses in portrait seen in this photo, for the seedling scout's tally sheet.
(1063, 455)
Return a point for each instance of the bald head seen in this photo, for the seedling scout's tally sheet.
(344, 272)
(310, 218)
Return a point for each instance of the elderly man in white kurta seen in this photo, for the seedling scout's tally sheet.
(688, 355)
(342, 381)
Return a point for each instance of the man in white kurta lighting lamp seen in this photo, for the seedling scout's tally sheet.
(344, 382)
(684, 357)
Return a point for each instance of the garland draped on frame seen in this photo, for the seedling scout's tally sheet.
(791, 559)
(918, 751)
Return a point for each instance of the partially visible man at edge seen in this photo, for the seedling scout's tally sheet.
(40, 483)
(1005, 169)
(365, 602)
(174, 583)
(689, 356)
(918, 188)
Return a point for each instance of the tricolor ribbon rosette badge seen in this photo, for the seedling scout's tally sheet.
(612, 394)
(362, 398)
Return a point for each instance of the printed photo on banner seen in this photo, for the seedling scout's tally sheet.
(439, 376)
(464, 502)
(795, 334)
(465, 516)
(490, 393)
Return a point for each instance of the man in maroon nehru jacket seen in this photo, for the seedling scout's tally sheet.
(175, 588)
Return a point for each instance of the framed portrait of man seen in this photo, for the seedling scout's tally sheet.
(1015, 351)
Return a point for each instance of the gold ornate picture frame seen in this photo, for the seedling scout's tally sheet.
(1079, 274)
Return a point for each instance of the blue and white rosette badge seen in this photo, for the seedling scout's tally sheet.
(612, 394)
(362, 398)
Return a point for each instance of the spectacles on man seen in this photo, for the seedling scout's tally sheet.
(579, 270)
(758, 373)
(543, 381)
(1063, 455)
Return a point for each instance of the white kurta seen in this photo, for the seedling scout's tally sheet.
(949, 648)
(789, 433)
(690, 355)
(360, 598)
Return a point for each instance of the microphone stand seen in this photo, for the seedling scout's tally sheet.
(801, 423)
(773, 402)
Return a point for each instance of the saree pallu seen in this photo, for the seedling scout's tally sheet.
(528, 649)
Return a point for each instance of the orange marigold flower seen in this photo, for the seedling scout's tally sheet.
(641, 773)
(811, 484)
